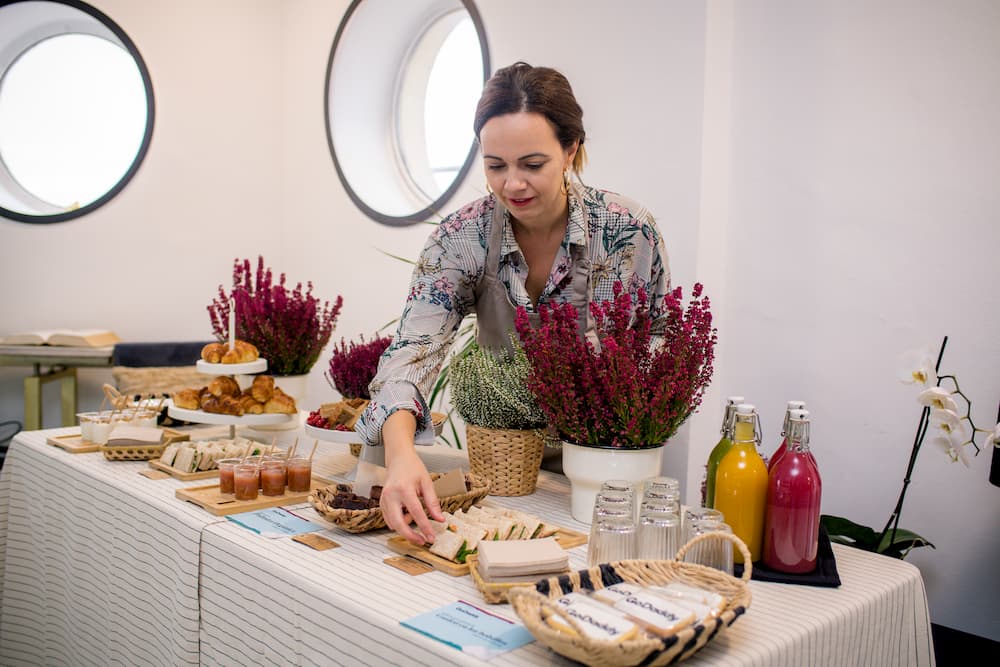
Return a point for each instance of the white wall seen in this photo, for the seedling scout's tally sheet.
(825, 168)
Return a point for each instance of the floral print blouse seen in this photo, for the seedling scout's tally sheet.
(623, 244)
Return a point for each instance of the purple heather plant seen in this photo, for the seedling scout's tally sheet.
(290, 328)
(353, 365)
(638, 388)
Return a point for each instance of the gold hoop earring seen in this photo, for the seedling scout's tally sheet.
(565, 182)
(489, 190)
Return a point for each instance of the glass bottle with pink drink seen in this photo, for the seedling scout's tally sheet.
(794, 491)
(783, 447)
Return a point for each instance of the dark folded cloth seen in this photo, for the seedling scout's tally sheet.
(144, 355)
(825, 573)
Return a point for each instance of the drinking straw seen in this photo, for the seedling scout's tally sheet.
(315, 442)
(294, 445)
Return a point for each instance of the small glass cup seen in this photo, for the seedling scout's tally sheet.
(299, 474)
(246, 481)
(711, 552)
(614, 539)
(226, 483)
(272, 477)
(660, 496)
(697, 514)
(657, 535)
(100, 430)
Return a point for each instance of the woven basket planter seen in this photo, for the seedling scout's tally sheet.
(509, 458)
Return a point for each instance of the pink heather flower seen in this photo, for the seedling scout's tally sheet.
(625, 394)
(290, 328)
(353, 365)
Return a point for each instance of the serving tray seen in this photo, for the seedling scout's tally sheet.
(209, 498)
(566, 538)
(181, 474)
(75, 444)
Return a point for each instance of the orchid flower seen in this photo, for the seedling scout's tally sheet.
(917, 366)
(949, 425)
(937, 398)
(955, 452)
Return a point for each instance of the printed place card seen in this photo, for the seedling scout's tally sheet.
(316, 541)
(471, 629)
(274, 522)
(409, 565)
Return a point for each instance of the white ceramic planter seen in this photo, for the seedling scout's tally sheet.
(589, 467)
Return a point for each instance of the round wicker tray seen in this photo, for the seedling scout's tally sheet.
(533, 605)
(361, 521)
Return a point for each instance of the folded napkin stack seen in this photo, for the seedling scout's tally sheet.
(125, 435)
(502, 561)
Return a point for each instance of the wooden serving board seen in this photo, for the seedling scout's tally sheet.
(182, 475)
(75, 444)
(211, 500)
(566, 538)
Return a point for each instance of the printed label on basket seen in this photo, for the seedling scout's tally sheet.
(316, 541)
(470, 629)
(409, 565)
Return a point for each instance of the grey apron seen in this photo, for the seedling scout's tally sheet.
(495, 312)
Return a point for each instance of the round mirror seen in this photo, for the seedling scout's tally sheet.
(399, 109)
(76, 109)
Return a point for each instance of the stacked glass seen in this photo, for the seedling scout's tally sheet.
(612, 527)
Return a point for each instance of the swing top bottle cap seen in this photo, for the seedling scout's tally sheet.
(734, 400)
(796, 405)
(799, 415)
(745, 409)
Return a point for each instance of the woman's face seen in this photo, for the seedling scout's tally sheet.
(524, 166)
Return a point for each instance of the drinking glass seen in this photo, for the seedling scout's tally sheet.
(272, 477)
(699, 513)
(613, 539)
(299, 474)
(226, 468)
(711, 552)
(615, 498)
(660, 496)
(657, 535)
(246, 481)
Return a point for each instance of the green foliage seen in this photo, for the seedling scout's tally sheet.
(898, 545)
(489, 390)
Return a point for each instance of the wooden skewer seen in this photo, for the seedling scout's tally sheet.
(295, 444)
(315, 442)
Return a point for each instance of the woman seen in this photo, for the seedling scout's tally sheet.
(538, 238)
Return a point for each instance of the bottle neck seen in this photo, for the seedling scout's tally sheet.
(798, 436)
(744, 430)
(728, 422)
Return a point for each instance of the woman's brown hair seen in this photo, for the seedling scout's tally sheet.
(542, 90)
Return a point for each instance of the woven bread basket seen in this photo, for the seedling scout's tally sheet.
(509, 458)
(361, 521)
(133, 452)
(534, 605)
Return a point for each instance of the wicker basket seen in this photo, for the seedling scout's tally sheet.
(493, 593)
(146, 452)
(510, 459)
(533, 605)
(361, 521)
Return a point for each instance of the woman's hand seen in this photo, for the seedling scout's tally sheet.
(408, 487)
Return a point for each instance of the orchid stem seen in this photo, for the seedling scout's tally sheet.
(917, 442)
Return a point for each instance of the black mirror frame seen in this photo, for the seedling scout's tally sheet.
(434, 207)
(147, 133)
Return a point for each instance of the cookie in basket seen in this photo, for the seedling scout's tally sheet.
(340, 506)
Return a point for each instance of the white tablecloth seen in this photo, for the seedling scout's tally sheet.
(100, 566)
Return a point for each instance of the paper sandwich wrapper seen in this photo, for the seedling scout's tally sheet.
(518, 558)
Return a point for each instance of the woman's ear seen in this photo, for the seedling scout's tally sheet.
(570, 154)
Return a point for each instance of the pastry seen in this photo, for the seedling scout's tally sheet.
(262, 388)
(188, 399)
(222, 405)
(224, 385)
(212, 353)
(280, 403)
(251, 406)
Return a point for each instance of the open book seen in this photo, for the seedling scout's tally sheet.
(67, 337)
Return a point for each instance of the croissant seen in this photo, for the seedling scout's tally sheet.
(188, 399)
(251, 406)
(224, 385)
(262, 388)
(280, 403)
(223, 405)
(241, 353)
(212, 353)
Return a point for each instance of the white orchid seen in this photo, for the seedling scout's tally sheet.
(993, 437)
(937, 398)
(949, 425)
(955, 452)
(917, 366)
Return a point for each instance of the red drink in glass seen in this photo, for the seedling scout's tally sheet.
(299, 475)
(246, 481)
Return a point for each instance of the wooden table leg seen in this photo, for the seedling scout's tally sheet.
(33, 397)
(32, 403)
(68, 391)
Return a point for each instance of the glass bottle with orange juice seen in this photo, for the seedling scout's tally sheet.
(741, 483)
